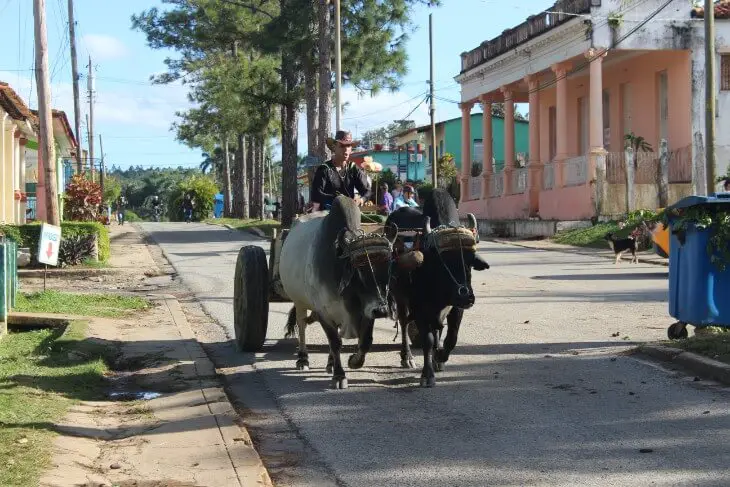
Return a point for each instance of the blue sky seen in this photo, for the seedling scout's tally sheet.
(134, 117)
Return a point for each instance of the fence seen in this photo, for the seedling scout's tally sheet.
(30, 207)
(9, 276)
(548, 176)
(616, 168)
(475, 187)
(519, 180)
(496, 184)
(680, 165)
(646, 168)
(576, 171)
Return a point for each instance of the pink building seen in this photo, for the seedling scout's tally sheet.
(592, 72)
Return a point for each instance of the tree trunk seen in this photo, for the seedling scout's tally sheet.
(260, 177)
(243, 176)
(289, 133)
(236, 186)
(250, 175)
(325, 79)
(226, 179)
(310, 88)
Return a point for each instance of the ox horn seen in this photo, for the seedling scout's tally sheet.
(472, 221)
(427, 225)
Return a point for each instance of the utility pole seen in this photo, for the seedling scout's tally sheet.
(710, 94)
(434, 169)
(90, 87)
(48, 152)
(338, 66)
(75, 74)
(101, 169)
(88, 155)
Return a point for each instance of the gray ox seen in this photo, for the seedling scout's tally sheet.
(329, 266)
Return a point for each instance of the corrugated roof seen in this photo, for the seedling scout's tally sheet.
(722, 10)
(14, 105)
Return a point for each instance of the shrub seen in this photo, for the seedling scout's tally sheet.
(28, 236)
(82, 198)
(75, 250)
(131, 216)
(202, 188)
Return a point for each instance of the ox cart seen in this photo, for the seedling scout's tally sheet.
(257, 284)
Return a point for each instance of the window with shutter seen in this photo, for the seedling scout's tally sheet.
(725, 72)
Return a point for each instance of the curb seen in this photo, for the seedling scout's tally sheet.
(65, 272)
(253, 230)
(571, 250)
(699, 364)
(235, 438)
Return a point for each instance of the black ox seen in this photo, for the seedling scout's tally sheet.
(432, 282)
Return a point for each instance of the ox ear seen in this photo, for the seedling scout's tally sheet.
(391, 232)
(347, 276)
(479, 264)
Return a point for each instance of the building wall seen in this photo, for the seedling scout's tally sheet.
(453, 138)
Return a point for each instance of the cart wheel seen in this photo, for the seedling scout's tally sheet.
(677, 331)
(251, 298)
(413, 335)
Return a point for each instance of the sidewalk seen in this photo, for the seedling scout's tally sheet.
(168, 421)
(646, 257)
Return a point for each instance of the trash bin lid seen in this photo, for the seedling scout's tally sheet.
(695, 200)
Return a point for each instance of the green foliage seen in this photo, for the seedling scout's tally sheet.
(447, 171)
(29, 236)
(638, 143)
(107, 305)
(75, 250)
(704, 218)
(82, 199)
(387, 176)
(42, 374)
(112, 189)
(202, 188)
(131, 216)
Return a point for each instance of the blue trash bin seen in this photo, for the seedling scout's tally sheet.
(699, 292)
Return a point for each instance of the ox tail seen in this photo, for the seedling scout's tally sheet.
(291, 323)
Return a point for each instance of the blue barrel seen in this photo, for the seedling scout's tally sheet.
(699, 291)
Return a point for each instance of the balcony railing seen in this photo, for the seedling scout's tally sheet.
(548, 176)
(576, 171)
(534, 26)
(475, 187)
(496, 184)
(519, 180)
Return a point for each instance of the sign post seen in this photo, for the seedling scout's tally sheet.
(48, 247)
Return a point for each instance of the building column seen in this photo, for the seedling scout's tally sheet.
(561, 115)
(487, 143)
(534, 174)
(16, 177)
(595, 134)
(3, 161)
(23, 204)
(509, 138)
(465, 149)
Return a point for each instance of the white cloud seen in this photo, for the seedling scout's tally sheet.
(103, 47)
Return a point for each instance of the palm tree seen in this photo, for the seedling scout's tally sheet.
(212, 162)
(638, 143)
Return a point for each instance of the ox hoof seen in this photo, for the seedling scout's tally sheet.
(339, 383)
(408, 363)
(302, 364)
(356, 361)
(428, 381)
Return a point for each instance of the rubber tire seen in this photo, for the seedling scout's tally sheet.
(414, 336)
(677, 331)
(251, 299)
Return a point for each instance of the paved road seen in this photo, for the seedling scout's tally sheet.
(537, 392)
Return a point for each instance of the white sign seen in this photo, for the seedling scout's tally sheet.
(49, 243)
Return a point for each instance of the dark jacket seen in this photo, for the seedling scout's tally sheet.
(327, 183)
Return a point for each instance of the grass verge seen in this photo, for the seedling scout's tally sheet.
(42, 373)
(592, 236)
(106, 305)
(713, 342)
(266, 226)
